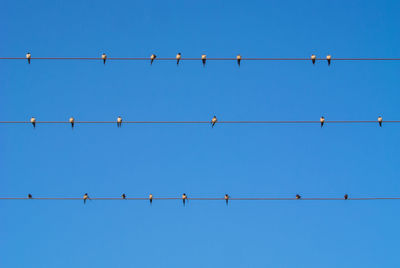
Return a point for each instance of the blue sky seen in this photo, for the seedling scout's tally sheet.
(167, 160)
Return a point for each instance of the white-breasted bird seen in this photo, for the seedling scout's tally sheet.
(184, 197)
(226, 198)
(119, 121)
(328, 58)
(238, 58)
(203, 59)
(85, 197)
(178, 58)
(213, 121)
(104, 57)
(151, 198)
(33, 121)
(380, 120)
(322, 120)
(313, 58)
(152, 58)
(72, 121)
(28, 57)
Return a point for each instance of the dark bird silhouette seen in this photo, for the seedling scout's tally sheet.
(322, 120)
(203, 59)
(178, 58)
(346, 196)
(238, 58)
(152, 58)
(119, 121)
(328, 58)
(72, 121)
(33, 121)
(85, 197)
(151, 198)
(226, 198)
(123, 196)
(28, 57)
(184, 197)
(380, 121)
(298, 196)
(213, 121)
(29, 196)
(313, 58)
(104, 57)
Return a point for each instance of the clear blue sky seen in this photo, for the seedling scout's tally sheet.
(167, 160)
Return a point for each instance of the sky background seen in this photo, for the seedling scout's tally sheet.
(167, 160)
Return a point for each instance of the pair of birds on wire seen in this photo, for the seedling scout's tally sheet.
(322, 121)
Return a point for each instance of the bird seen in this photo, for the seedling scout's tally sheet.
(328, 58)
(184, 197)
(380, 121)
(226, 198)
(152, 58)
(151, 198)
(119, 121)
(85, 197)
(72, 121)
(238, 58)
(203, 59)
(33, 121)
(29, 196)
(346, 197)
(313, 58)
(28, 57)
(322, 120)
(123, 196)
(298, 196)
(104, 57)
(178, 58)
(213, 121)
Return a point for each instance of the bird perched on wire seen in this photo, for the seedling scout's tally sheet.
(226, 198)
(328, 58)
(104, 57)
(33, 121)
(28, 57)
(322, 120)
(178, 58)
(380, 120)
(85, 197)
(238, 58)
(151, 198)
(123, 196)
(298, 196)
(203, 59)
(152, 58)
(184, 197)
(72, 121)
(119, 121)
(346, 196)
(29, 196)
(213, 121)
(313, 58)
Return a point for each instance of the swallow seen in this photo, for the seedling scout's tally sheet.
(151, 198)
(33, 121)
(380, 121)
(313, 58)
(104, 57)
(29, 196)
(85, 197)
(226, 198)
(72, 121)
(184, 197)
(298, 196)
(203, 59)
(28, 57)
(152, 58)
(238, 58)
(123, 196)
(322, 120)
(328, 58)
(213, 121)
(346, 196)
(178, 58)
(119, 121)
